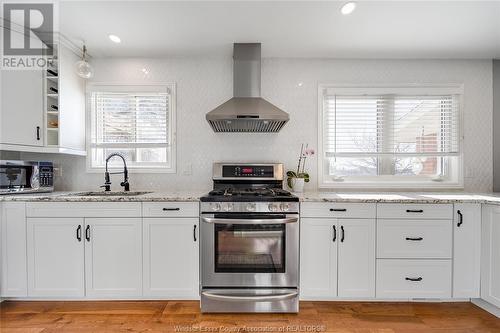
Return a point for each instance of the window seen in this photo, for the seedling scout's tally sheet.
(390, 137)
(135, 121)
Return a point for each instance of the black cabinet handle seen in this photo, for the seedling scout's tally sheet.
(414, 238)
(87, 233)
(414, 210)
(171, 209)
(38, 133)
(460, 218)
(338, 210)
(194, 232)
(414, 279)
(79, 233)
(343, 233)
(334, 233)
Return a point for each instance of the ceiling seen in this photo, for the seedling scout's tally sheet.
(376, 29)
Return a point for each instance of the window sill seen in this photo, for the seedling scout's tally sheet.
(393, 185)
(133, 170)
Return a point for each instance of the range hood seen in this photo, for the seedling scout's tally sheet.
(247, 111)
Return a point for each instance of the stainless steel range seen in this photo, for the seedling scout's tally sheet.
(249, 241)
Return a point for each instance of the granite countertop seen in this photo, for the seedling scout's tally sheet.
(193, 196)
(81, 196)
(401, 197)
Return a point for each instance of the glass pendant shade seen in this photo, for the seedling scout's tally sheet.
(83, 68)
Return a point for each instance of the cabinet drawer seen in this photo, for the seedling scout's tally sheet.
(83, 209)
(414, 238)
(337, 210)
(170, 209)
(415, 211)
(413, 278)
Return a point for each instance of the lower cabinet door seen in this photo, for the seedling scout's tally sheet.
(356, 259)
(466, 250)
(318, 258)
(55, 257)
(490, 254)
(171, 268)
(113, 257)
(13, 268)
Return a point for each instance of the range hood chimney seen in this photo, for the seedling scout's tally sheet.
(247, 111)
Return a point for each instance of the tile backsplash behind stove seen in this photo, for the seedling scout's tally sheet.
(291, 84)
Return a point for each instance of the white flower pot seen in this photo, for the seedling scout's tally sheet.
(298, 185)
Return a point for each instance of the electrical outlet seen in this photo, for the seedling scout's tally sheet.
(58, 171)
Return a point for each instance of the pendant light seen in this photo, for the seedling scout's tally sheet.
(83, 68)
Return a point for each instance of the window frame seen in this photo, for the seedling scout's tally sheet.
(169, 87)
(391, 181)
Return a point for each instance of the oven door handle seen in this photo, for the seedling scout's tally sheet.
(293, 219)
(250, 297)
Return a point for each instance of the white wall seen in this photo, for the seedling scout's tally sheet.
(203, 83)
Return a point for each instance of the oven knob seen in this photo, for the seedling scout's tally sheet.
(285, 207)
(251, 207)
(215, 206)
(273, 207)
(227, 207)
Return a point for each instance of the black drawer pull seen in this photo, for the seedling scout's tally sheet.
(171, 209)
(460, 218)
(87, 233)
(414, 210)
(334, 233)
(338, 210)
(414, 279)
(79, 233)
(414, 238)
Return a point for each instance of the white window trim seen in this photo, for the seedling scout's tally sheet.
(378, 182)
(101, 86)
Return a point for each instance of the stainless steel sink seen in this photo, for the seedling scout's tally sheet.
(109, 194)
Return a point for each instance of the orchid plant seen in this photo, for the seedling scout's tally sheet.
(305, 152)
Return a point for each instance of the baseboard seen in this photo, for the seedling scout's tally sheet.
(494, 310)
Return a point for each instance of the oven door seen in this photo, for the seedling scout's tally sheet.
(249, 250)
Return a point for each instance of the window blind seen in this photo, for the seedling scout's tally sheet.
(128, 120)
(371, 125)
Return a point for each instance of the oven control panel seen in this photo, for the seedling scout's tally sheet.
(250, 207)
(266, 171)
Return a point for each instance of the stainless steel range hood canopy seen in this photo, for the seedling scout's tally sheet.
(247, 111)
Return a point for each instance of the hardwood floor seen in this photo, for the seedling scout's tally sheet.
(182, 316)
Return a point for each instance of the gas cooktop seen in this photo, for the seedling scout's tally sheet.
(247, 182)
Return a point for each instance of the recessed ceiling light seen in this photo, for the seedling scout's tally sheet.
(115, 39)
(348, 8)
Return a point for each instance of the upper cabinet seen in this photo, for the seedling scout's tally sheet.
(44, 110)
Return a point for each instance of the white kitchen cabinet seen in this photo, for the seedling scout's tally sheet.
(21, 103)
(490, 254)
(356, 258)
(318, 258)
(466, 250)
(113, 257)
(55, 257)
(171, 254)
(28, 122)
(337, 258)
(13, 248)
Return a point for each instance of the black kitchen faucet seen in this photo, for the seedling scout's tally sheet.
(107, 180)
